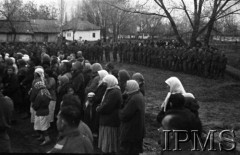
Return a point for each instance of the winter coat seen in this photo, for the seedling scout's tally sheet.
(41, 103)
(73, 142)
(132, 118)
(12, 89)
(109, 108)
(78, 85)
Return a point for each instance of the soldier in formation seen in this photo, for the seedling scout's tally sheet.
(200, 61)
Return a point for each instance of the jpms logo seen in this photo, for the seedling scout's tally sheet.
(176, 137)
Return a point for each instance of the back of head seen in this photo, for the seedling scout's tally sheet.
(77, 66)
(109, 66)
(96, 67)
(123, 75)
(71, 115)
(71, 100)
(138, 77)
(21, 63)
(176, 101)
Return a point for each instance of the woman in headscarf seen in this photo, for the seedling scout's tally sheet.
(40, 99)
(11, 88)
(140, 80)
(109, 122)
(94, 125)
(65, 69)
(63, 86)
(123, 76)
(176, 87)
(41, 106)
(132, 116)
(87, 73)
(51, 86)
(93, 83)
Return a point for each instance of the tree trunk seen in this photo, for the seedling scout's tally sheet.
(208, 34)
(173, 24)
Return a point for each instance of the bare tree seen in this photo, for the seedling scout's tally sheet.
(9, 10)
(199, 20)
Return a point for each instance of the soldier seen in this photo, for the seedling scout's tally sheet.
(200, 62)
(120, 47)
(214, 63)
(207, 61)
(190, 61)
(148, 51)
(222, 64)
(115, 50)
(164, 58)
(195, 61)
(184, 60)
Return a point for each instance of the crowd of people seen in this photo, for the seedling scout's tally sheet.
(90, 103)
(207, 62)
(200, 61)
(86, 101)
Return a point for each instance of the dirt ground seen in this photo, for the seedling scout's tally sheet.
(219, 102)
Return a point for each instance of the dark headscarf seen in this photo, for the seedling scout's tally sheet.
(123, 77)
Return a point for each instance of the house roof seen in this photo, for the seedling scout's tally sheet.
(29, 27)
(80, 25)
(45, 26)
(20, 27)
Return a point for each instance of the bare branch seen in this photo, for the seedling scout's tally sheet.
(233, 12)
(135, 11)
(185, 9)
(224, 4)
(158, 3)
(229, 7)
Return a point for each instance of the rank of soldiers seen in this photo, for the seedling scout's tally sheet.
(205, 62)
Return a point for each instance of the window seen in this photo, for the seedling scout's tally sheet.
(68, 34)
(93, 35)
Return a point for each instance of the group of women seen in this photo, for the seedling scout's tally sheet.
(112, 102)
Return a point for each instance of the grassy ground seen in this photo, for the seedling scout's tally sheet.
(219, 107)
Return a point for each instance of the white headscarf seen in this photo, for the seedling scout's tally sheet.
(112, 82)
(14, 65)
(26, 58)
(131, 86)
(102, 74)
(40, 72)
(175, 87)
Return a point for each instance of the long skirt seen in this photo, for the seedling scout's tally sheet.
(52, 105)
(41, 123)
(108, 140)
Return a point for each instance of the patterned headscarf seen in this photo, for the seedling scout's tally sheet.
(42, 89)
